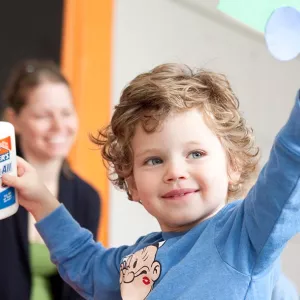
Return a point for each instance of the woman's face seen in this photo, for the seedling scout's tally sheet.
(47, 124)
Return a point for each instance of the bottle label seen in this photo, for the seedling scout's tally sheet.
(7, 194)
(7, 197)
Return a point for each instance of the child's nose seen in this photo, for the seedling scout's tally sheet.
(175, 171)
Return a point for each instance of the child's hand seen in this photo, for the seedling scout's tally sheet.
(32, 193)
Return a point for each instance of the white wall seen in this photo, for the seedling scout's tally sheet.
(150, 32)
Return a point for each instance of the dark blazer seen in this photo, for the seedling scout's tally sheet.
(83, 203)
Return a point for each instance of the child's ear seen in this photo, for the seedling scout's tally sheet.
(132, 189)
(233, 175)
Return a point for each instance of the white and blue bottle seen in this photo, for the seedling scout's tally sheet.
(8, 164)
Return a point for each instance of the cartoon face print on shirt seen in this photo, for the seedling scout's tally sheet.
(138, 273)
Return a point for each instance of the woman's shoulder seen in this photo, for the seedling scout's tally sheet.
(82, 187)
(81, 199)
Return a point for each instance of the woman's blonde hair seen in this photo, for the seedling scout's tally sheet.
(152, 96)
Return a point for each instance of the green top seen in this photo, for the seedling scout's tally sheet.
(41, 268)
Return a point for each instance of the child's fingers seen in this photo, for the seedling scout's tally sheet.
(22, 164)
(10, 180)
(20, 171)
(16, 181)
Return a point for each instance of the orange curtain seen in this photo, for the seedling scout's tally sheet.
(86, 62)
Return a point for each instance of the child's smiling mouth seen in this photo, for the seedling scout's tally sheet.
(178, 194)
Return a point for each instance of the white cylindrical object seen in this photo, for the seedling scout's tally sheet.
(8, 164)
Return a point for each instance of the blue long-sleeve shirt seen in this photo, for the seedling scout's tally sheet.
(284, 290)
(233, 255)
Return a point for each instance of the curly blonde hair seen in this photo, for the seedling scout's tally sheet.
(152, 96)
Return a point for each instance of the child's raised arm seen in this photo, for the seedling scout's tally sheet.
(270, 213)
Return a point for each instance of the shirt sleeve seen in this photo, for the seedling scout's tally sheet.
(91, 269)
(253, 235)
(285, 289)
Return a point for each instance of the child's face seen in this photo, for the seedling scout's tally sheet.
(180, 171)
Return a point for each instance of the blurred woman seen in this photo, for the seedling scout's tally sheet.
(40, 106)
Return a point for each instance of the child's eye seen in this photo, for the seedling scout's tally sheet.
(153, 161)
(195, 154)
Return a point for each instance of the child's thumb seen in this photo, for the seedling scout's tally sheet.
(10, 180)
